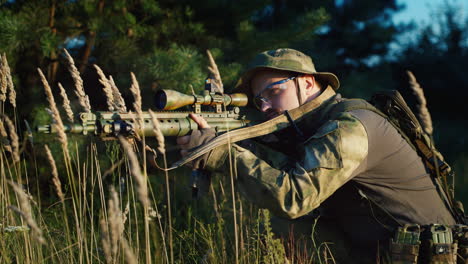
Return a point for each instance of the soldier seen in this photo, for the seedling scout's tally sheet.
(352, 168)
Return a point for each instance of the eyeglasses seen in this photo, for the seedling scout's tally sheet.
(259, 99)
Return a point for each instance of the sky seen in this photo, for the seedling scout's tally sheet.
(422, 10)
(422, 13)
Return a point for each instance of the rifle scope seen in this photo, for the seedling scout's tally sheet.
(171, 100)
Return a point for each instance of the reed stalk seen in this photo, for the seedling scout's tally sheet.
(14, 140)
(4, 134)
(112, 228)
(9, 79)
(55, 177)
(58, 188)
(118, 99)
(157, 132)
(106, 87)
(214, 71)
(161, 148)
(426, 123)
(3, 80)
(423, 112)
(129, 255)
(142, 189)
(66, 103)
(26, 212)
(83, 99)
(62, 136)
(101, 226)
(137, 105)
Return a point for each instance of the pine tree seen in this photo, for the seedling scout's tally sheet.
(164, 42)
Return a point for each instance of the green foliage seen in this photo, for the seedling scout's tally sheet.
(438, 57)
(274, 250)
(176, 68)
(300, 28)
(49, 42)
(15, 31)
(41, 116)
(11, 238)
(151, 7)
(164, 43)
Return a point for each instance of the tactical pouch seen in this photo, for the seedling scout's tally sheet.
(404, 248)
(460, 234)
(438, 246)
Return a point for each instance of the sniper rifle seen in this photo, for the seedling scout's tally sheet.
(225, 114)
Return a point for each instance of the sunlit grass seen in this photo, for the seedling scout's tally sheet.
(77, 199)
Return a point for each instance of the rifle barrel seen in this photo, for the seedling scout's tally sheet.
(69, 128)
(111, 124)
(184, 126)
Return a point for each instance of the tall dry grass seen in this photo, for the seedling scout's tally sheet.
(423, 112)
(55, 175)
(107, 88)
(214, 72)
(118, 99)
(110, 207)
(3, 80)
(4, 135)
(66, 103)
(9, 81)
(140, 179)
(112, 228)
(58, 124)
(14, 139)
(83, 98)
(161, 148)
(216, 75)
(25, 211)
(137, 105)
(157, 132)
(425, 119)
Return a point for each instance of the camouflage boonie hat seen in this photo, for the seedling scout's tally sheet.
(287, 60)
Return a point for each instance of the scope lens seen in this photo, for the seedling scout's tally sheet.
(160, 100)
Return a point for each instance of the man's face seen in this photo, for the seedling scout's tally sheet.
(276, 98)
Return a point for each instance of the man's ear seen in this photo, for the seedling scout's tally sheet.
(310, 84)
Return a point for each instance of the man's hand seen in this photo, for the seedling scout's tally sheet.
(184, 141)
(198, 137)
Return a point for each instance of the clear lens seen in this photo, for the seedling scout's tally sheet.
(258, 102)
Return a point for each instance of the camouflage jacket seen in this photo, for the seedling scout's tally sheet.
(349, 163)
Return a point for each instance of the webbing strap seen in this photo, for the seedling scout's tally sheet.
(267, 127)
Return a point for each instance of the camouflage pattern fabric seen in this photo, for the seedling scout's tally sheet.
(293, 188)
(365, 186)
(286, 60)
